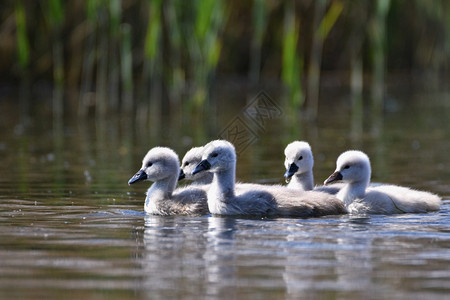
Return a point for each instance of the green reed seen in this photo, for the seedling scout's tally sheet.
(327, 21)
(115, 15)
(158, 56)
(292, 63)
(55, 19)
(259, 22)
(205, 46)
(126, 68)
(176, 75)
(23, 45)
(378, 41)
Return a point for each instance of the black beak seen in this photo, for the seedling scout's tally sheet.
(336, 176)
(181, 176)
(202, 166)
(291, 171)
(139, 176)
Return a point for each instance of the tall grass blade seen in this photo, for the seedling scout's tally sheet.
(259, 21)
(115, 13)
(126, 64)
(291, 63)
(23, 45)
(378, 39)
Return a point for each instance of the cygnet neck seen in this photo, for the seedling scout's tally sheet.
(304, 181)
(162, 189)
(353, 190)
(224, 182)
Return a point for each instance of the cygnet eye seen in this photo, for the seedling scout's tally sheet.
(346, 167)
(300, 158)
(214, 154)
(186, 164)
(149, 164)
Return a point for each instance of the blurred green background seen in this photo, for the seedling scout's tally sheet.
(88, 87)
(138, 57)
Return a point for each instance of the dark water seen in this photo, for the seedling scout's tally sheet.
(70, 226)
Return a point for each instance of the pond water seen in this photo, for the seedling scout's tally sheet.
(71, 227)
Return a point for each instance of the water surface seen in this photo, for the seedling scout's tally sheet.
(70, 226)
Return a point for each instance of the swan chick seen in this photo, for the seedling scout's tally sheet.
(190, 160)
(299, 163)
(353, 168)
(219, 157)
(162, 166)
(202, 179)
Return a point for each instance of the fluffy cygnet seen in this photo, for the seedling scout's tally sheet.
(219, 157)
(190, 160)
(202, 179)
(299, 165)
(353, 168)
(162, 166)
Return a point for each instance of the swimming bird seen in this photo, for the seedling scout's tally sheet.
(202, 179)
(162, 166)
(353, 168)
(299, 165)
(219, 157)
(190, 160)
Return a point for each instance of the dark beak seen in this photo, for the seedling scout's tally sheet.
(139, 176)
(292, 169)
(202, 166)
(336, 176)
(181, 176)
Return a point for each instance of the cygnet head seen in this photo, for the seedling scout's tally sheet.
(190, 160)
(218, 155)
(299, 159)
(353, 167)
(158, 164)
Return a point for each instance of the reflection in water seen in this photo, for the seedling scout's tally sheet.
(186, 255)
(295, 269)
(357, 117)
(172, 263)
(58, 138)
(313, 264)
(354, 259)
(363, 255)
(66, 212)
(220, 257)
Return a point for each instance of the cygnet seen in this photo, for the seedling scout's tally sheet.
(299, 165)
(190, 160)
(162, 166)
(219, 157)
(353, 168)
